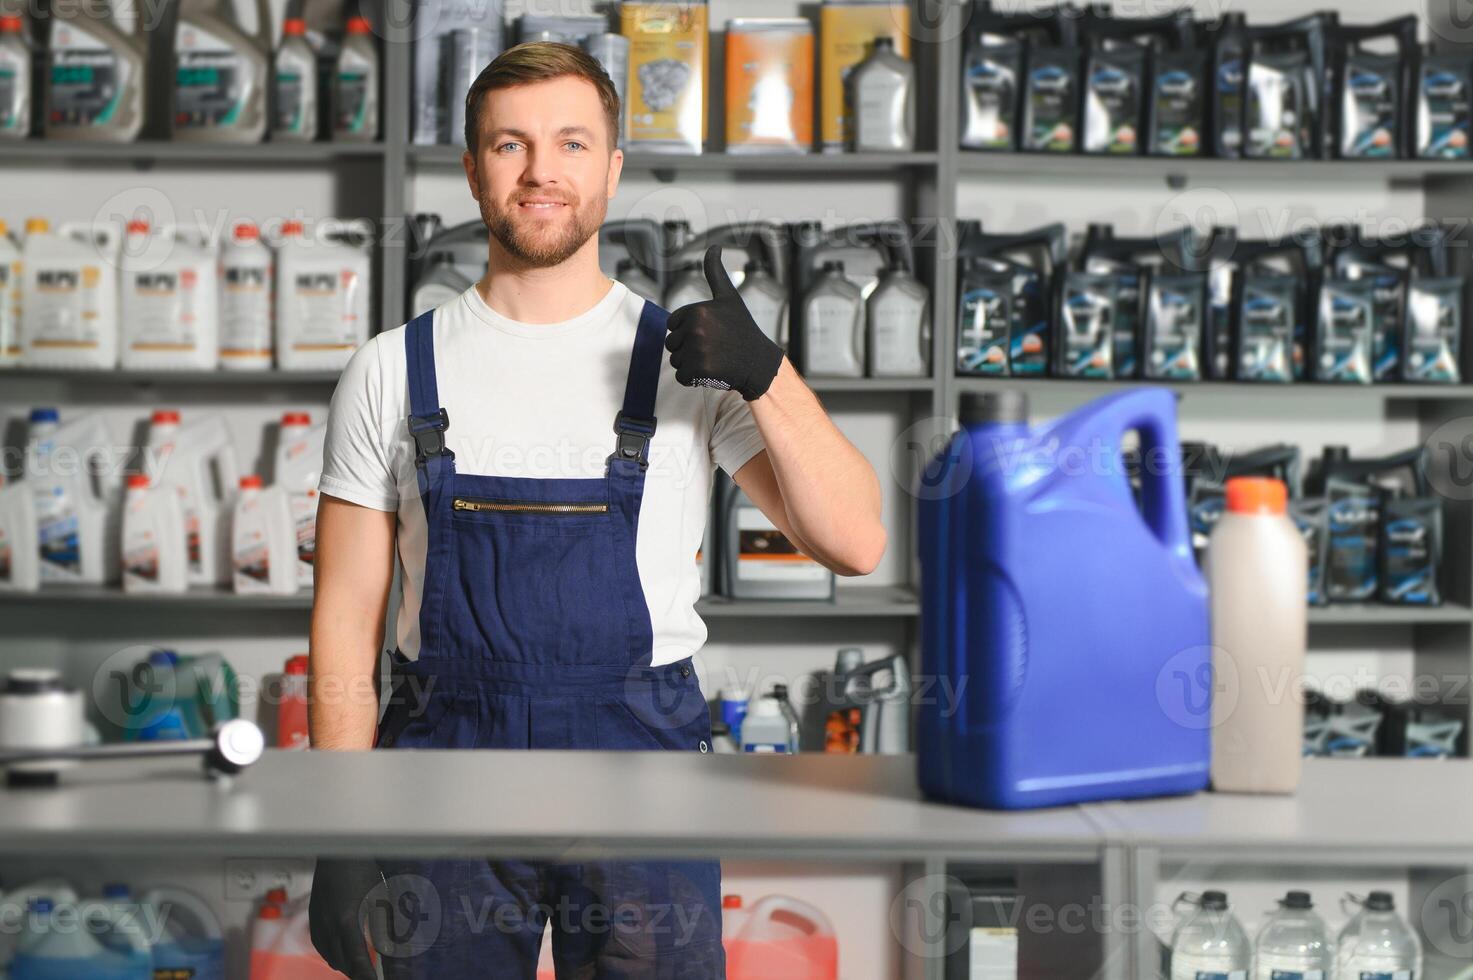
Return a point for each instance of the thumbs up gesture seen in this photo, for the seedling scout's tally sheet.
(717, 344)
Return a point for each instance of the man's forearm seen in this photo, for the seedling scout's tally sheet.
(343, 700)
(829, 489)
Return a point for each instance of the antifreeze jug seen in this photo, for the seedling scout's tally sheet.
(1026, 613)
(98, 74)
(192, 944)
(780, 937)
(198, 460)
(61, 951)
(221, 73)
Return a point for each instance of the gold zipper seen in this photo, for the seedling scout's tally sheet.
(524, 507)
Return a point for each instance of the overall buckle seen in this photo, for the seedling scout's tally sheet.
(428, 433)
(634, 439)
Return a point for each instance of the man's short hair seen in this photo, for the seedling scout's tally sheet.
(539, 61)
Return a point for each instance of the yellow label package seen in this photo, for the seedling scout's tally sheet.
(847, 30)
(668, 65)
(769, 85)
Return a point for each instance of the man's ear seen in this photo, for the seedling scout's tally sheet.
(616, 169)
(469, 162)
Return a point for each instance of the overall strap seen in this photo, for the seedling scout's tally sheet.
(635, 423)
(427, 419)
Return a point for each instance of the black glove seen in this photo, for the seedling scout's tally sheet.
(717, 344)
(339, 888)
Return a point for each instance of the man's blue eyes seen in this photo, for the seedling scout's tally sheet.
(505, 147)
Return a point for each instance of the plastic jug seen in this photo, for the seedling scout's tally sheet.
(247, 288)
(198, 460)
(78, 498)
(322, 294)
(1377, 942)
(69, 300)
(192, 944)
(15, 79)
(281, 945)
(14, 903)
(155, 554)
(169, 305)
(47, 953)
(20, 545)
(298, 469)
(1293, 943)
(221, 73)
(11, 271)
(294, 85)
(1260, 630)
(833, 335)
(355, 85)
(96, 74)
(1026, 615)
(291, 714)
(1209, 942)
(1005, 315)
(767, 301)
(779, 937)
(898, 321)
(161, 702)
(264, 540)
(759, 561)
(442, 283)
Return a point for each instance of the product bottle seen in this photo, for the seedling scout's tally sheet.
(882, 92)
(298, 468)
(246, 285)
(442, 283)
(733, 702)
(155, 557)
(291, 714)
(1377, 942)
(294, 86)
(628, 272)
(69, 301)
(1210, 942)
(86, 45)
(15, 79)
(221, 73)
(767, 301)
(10, 282)
(1293, 944)
(355, 85)
(322, 294)
(20, 546)
(198, 460)
(780, 695)
(1255, 569)
(833, 326)
(765, 729)
(263, 540)
(687, 286)
(899, 323)
(169, 303)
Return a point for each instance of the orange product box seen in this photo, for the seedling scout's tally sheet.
(769, 84)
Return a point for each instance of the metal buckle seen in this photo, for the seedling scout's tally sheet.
(634, 439)
(428, 433)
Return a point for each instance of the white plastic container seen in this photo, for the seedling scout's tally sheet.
(355, 85)
(191, 943)
(247, 288)
(898, 317)
(11, 270)
(105, 948)
(765, 728)
(77, 496)
(294, 86)
(298, 470)
(322, 294)
(69, 300)
(1377, 942)
(263, 541)
(833, 326)
(1210, 943)
(1293, 943)
(20, 548)
(1255, 572)
(155, 558)
(198, 460)
(15, 70)
(169, 304)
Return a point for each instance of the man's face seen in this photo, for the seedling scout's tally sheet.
(543, 174)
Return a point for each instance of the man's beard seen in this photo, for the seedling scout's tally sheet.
(545, 250)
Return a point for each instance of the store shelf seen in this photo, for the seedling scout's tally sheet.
(160, 379)
(1186, 169)
(852, 600)
(51, 152)
(878, 385)
(794, 165)
(1306, 391)
(1378, 615)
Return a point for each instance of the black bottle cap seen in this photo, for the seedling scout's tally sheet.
(1006, 405)
(1214, 901)
(1297, 900)
(1335, 454)
(780, 691)
(1380, 902)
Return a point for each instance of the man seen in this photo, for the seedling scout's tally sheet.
(545, 478)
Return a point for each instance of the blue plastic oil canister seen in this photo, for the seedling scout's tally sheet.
(1064, 625)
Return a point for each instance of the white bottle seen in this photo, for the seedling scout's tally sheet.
(767, 301)
(69, 300)
(294, 86)
(687, 286)
(439, 285)
(1255, 563)
(322, 295)
(10, 284)
(170, 299)
(247, 290)
(355, 85)
(15, 79)
(263, 541)
(833, 326)
(1293, 944)
(20, 547)
(882, 93)
(765, 728)
(198, 460)
(1377, 942)
(155, 558)
(898, 314)
(77, 496)
(298, 469)
(1210, 943)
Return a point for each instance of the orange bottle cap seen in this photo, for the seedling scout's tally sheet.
(1257, 495)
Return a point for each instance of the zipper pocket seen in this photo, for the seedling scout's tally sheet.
(476, 506)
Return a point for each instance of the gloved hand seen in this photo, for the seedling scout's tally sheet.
(717, 344)
(339, 888)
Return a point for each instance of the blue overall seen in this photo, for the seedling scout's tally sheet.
(534, 634)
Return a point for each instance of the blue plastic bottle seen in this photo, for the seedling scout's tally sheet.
(1065, 627)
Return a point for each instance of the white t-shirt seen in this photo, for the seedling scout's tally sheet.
(539, 400)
